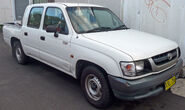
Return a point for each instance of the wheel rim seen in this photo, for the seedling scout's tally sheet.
(18, 53)
(93, 87)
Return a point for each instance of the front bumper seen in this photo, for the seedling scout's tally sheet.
(144, 87)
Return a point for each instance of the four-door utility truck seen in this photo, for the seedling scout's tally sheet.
(90, 43)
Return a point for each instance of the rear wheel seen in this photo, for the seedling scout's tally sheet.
(18, 53)
(95, 87)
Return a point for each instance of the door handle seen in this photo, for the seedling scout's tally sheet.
(65, 42)
(25, 33)
(42, 38)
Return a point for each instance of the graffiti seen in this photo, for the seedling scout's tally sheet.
(158, 13)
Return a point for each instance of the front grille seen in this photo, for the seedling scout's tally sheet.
(165, 57)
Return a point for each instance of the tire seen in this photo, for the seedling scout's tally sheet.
(18, 53)
(92, 79)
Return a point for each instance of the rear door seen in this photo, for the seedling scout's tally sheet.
(31, 32)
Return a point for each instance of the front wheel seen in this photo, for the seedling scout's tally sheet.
(95, 87)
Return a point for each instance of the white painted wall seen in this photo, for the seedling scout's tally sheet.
(161, 17)
(6, 13)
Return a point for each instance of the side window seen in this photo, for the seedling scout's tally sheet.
(55, 17)
(35, 17)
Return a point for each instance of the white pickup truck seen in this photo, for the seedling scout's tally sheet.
(90, 43)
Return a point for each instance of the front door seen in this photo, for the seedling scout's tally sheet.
(55, 50)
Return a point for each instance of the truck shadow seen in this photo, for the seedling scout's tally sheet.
(164, 101)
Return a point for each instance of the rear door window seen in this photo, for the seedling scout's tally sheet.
(35, 17)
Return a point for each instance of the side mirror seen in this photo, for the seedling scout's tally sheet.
(56, 30)
(52, 29)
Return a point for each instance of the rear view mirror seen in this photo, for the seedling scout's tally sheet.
(51, 28)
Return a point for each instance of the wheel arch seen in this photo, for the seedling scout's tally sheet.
(81, 64)
(13, 39)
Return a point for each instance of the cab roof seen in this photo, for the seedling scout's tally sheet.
(81, 4)
(67, 4)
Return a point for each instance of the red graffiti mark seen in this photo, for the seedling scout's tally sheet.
(149, 4)
(152, 2)
(158, 13)
(167, 3)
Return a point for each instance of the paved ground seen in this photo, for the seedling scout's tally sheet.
(40, 87)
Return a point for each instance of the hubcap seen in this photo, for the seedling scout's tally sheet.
(18, 53)
(93, 87)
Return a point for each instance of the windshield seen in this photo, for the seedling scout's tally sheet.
(94, 19)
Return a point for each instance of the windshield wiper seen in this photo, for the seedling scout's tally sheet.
(99, 29)
(120, 27)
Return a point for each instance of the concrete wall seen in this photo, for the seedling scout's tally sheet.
(7, 10)
(6, 13)
(161, 17)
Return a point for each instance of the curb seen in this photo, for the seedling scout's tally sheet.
(182, 74)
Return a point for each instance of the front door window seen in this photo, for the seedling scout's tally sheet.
(55, 17)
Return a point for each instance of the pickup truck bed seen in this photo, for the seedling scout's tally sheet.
(9, 30)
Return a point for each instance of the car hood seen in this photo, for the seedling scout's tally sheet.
(139, 45)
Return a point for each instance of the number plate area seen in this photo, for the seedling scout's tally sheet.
(169, 83)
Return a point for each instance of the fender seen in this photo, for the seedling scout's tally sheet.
(109, 64)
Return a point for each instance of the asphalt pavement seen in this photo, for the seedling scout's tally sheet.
(37, 86)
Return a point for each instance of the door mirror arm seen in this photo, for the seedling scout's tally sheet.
(55, 34)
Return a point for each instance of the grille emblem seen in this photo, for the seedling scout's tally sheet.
(170, 56)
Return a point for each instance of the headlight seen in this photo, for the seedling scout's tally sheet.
(137, 68)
